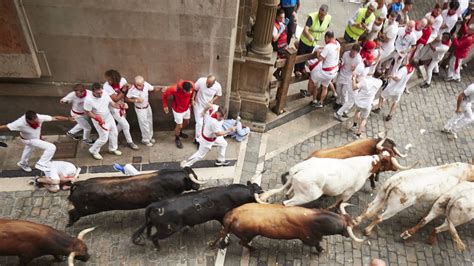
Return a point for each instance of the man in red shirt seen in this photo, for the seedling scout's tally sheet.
(462, 46)
(182, 96)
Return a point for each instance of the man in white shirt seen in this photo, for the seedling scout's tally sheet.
(404, 45)
(380, 15)
(367, 88)
(388, 36)
(431, 55)
(138, 94)
(212, 136)
(97, 108)
(326, 69)
(29, 126)
(394, 90)
(435, 14)
(116, 87)
(450, 17)
(345, 96)
(59, 173)
(76, 98)
(463, 114)
(207, 91)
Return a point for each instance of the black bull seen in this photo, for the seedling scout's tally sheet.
(128, 193)
(170, 215)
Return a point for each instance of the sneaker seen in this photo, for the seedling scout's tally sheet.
(388, 118)
(376, 110)
(425, 85)
(407, 91)
(221, 163)
(97, 156)
(24, 167)
(354, 127)
(132, 146)
(183, 135)
(119, 168)
(338, 117)
(116, 152)
(316, 104)
(147, 143)
(304, 93)
(152, 141)
(72, 136)
(88, 142)
(41, 167)
(448, 79)
(356, 136)
(178, 143)
(447, 131)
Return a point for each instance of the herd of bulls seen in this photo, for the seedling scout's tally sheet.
(244, 211)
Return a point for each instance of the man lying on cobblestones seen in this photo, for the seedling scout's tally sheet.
(59, 173)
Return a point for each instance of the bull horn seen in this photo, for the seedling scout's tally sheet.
(353, 236)
(397, 152)
(380, 143)
(342, 208)
(257, 199)
(81, 234)
(194, 179)
(400, 167)
(70, 259)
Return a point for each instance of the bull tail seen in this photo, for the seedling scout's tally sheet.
(137, 237)
(265, 196)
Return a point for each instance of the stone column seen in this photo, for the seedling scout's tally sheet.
(262, 39)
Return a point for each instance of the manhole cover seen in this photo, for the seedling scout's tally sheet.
(137, 159)
(65, 150)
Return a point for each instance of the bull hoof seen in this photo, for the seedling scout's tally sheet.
(367, 232)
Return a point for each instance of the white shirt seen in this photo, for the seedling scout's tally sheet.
(404, 41)
(418, 34)
(469, 93)
(77, 102)
(133, 92)
(463, 4)
(110, 91)
(26, 131)
(438, 21)
(99, 106)
(348, 66)
(440, 50)
(450, 21)
(368, 88)
(381, 12)
(61, 169)
(211, 125)
(330, 53)
(396, 88)
(390, 31)
(205, 94)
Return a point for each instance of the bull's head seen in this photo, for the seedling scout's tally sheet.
(193, 183)
(387, 144)
(254, 189)
(350, 224)
(387, 162)
(79, 250)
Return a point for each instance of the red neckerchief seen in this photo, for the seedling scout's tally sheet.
(447, 42)
(84, 93)
(34, 125)
(214, 115)
(433, 14)
(406, 33)
(409, 68)
(116, 87)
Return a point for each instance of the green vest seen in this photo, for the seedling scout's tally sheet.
(316, 29)
(355, 32)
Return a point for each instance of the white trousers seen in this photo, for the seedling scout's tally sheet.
(130, 170)
(110, 135)
(31, 144)
(145, 121)
(429, 70)
(460, 120)
(341, 92)
(82, 124)
(205, 146)
(199, 120)
(122, 124)
(348, 100)
(452, 72)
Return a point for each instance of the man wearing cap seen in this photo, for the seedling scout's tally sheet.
(182, 93)
(360, 23)
(316, 24)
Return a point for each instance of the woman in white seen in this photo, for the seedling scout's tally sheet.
(463, 114)
(138, 94)
(60, 172)
(208, 90)
(77, 98)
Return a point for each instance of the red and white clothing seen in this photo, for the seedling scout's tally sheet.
(438, 21)
(60, 169)
(403, 44)
(77, 111)
(209, 139)
(434, 56)
(327, 70)
(143, 110)
(181, 103)
(465, 117)
(204, 95)
(449, 20)
(461, 48)
(31, 137)
(395, 89)
(119, 114)
(344, 79)
(106, 127)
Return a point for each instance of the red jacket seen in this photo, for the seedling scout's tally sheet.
(463, 45)
(425, 36)
(181, 98)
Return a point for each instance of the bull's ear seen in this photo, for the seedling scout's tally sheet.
(249, 183)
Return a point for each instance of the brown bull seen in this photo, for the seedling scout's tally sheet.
(29, 240)
(280, 222)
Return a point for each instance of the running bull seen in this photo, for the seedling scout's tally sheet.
(370, 146)
(280, 222)
(127, 193)
(29, 240)
(170, 215)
